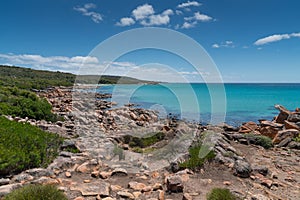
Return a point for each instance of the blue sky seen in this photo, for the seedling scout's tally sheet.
(250, 41)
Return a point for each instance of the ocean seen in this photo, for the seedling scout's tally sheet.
(230, 103)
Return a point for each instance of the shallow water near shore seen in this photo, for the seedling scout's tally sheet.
(244, 102)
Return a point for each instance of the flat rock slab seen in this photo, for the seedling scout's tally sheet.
(92, 189)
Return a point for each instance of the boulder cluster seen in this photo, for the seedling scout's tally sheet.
(282, 130)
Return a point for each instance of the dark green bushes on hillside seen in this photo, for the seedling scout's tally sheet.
(23, 146)
(36, 192)
(22, 103)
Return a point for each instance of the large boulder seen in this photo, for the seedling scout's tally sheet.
(281, 135)
(283, 115)
(248, 127)
(269, 131)
(242, 169)
(294, 117)
(291, 125)
(175, 183)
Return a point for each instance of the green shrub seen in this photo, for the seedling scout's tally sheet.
(22, 103)
(144, 142)
(195, 161)
(260, 140)
(23, 146)
(36, 192)
(220, 194)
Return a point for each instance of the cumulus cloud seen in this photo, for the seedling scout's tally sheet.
(215, 46)
(188, 4)
(141, 12)
(85, 10)
(187, 25)
(190, 22)
(198, 17)
(146, 16)
(275, 38)
(126, 21)
(226, 44)
(160, 19)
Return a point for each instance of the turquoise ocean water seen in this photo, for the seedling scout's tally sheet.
(242, 102)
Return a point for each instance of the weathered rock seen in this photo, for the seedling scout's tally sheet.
(22, 177)
(4, 181)
(283, 115)
(281, 135)
(259, 197)
(227, 127)
(45, 181)
(119, 172)
(38, 172)
(294, 145)
(187, 196)
(68, 174)
(175, 183)
(108, 198)
(264, 123)
(125, 194)
(136, 186)
(6, 189)
(291, 125)
(92, 189)
(105, 175)
(294, 117)
(269, 131)
(248, 127)
(284, 142)
(242, 169)
(157, 186)
(161, 195)
(263, 170)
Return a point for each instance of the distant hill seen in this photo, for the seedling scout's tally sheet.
(27, 78)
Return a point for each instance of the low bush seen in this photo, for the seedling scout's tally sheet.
(145, 141)
(220, 194)
(260, 140)
(23, 103)
(195, 161)
(36, 192)
(23, 146)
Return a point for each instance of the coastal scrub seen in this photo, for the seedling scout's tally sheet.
(23, 146)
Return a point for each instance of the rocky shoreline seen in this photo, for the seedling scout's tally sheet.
(111, 162)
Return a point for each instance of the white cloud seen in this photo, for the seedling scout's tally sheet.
(156, 20)
(226, 44)
(91, 65)
(141, 12)
(126, 21)
(54, 63)
(275, 38)
(199, 17)
(145, 15)
(178, 12)
(216, 46)
(188, 4)
(187, 25)
(85, 11)
(168, 12)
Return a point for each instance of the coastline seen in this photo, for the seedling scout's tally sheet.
(96, 130)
